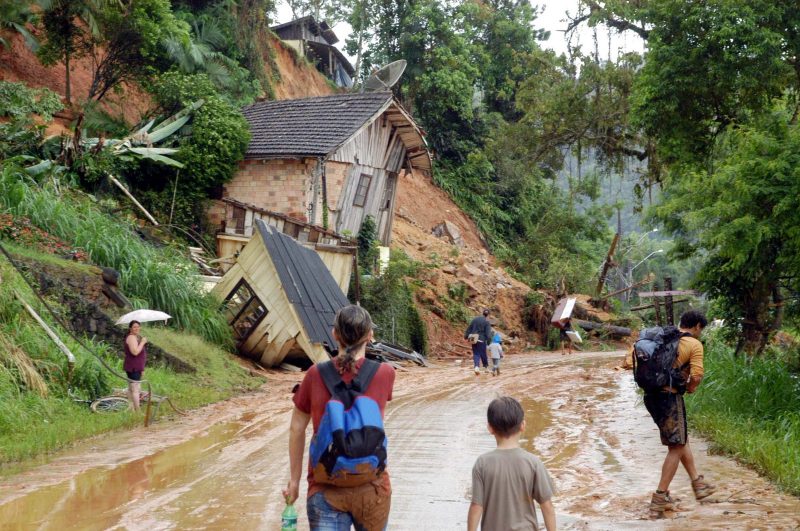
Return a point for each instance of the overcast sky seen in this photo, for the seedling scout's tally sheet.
(551, 19)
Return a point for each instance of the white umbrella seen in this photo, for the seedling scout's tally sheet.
(143, 316)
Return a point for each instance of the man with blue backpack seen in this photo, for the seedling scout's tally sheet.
(345, 398)
(668, 362)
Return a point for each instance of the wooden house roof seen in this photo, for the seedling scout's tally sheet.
(317, 28)
(317, 127)
(308, 284)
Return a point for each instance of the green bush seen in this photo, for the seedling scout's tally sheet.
(390, 301)
(219, 132)
(750, 407)
(17, 100)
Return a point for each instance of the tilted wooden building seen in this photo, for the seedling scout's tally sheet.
(329, 161)
(315, 41)
(280, 299)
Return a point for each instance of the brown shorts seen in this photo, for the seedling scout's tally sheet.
(368, 504)
(669, 413)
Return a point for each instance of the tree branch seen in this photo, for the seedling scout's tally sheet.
(609, 20)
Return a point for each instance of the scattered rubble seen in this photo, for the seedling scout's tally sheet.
(450, 232)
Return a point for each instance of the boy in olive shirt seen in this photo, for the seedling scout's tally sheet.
(505, 481)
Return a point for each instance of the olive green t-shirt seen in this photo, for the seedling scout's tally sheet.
(505, 483)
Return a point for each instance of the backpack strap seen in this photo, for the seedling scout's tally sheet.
(363, 378)
(340, 390)
(332, 379)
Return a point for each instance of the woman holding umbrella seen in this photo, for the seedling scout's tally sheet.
(135, 360)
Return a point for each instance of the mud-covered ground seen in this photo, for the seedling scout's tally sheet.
(223, 467)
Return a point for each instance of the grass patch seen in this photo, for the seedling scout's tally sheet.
(750, 409)
(19, 250)
(159, 278)
(33, 424)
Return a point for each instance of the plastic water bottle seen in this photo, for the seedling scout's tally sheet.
(289, 518)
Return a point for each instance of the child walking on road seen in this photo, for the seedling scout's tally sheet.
(496, 353)
(506, 481)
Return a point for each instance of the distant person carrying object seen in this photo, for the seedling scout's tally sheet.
(496, 353)
(345, 398)
(506, 481)
(479, 333)
(564, 334)
(668, 362)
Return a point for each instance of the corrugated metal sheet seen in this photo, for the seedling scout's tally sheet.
(308, 284)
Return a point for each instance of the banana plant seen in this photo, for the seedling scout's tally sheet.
(141, 142)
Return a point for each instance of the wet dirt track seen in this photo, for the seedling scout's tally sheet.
(223, 467)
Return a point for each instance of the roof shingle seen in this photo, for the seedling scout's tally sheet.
(309, 126)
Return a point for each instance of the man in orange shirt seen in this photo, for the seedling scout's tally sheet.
(669, 413)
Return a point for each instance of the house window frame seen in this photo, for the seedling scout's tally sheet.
(243, 308)
(363, 198)
(389, 190)
(238, 216)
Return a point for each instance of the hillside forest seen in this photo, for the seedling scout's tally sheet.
(697, 137)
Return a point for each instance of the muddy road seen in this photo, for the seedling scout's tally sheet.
(223, 466)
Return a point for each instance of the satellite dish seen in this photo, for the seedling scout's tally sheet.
(384, 78)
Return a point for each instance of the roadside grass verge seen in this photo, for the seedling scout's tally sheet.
(37, 419)
(750, 409)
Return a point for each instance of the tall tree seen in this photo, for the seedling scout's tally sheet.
(707, 97)
(66, 37)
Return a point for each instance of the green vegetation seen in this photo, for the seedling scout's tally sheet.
(210, 154)
(750, 408)
(389, 299)
(39, 416)
(158, 278)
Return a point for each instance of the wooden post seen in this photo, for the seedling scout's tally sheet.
(135, 202)
(668, 301)
(657, 307)
(357, 277)
(60, 344)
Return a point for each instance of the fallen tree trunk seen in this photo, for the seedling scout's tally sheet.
(615, 331)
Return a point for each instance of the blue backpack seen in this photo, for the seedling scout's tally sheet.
(349, 448)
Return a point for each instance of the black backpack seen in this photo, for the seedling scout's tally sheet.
(654, 355)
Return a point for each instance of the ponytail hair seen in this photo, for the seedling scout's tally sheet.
(353, 325)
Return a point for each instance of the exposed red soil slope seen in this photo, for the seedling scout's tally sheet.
(422, 206)
(19, 63)
(299, 79)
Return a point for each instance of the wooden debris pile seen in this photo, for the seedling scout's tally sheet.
(394, 354)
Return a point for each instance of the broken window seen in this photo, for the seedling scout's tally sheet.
(238, 219)
(388, 191)
(243, 310)
(362, 190)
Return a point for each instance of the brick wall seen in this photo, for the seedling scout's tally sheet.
(336, 174)
(282, 185)
(215, 214)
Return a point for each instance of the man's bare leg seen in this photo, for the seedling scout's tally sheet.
(687, 459)
(670, 466)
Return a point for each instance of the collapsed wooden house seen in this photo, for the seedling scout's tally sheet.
(328, 161)
(336, 251)
(280, 299)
